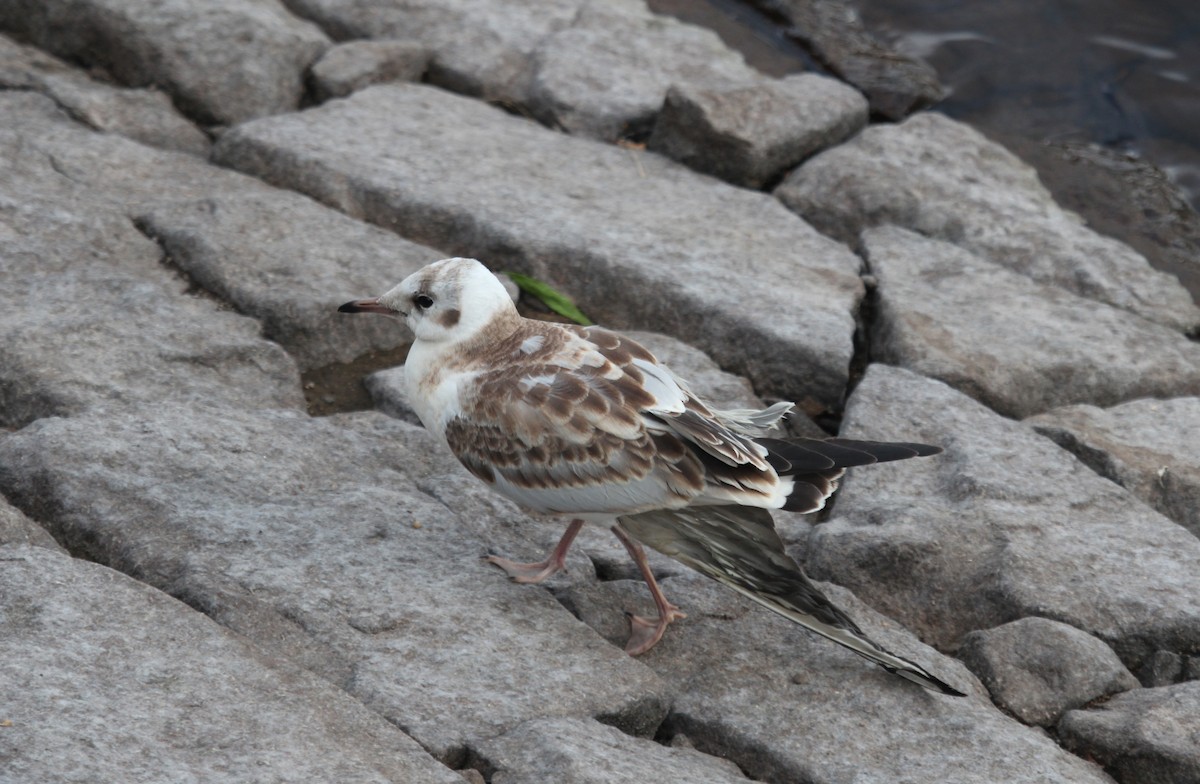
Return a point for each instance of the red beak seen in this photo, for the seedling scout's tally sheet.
(366, 306)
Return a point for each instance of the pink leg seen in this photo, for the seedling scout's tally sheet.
(555, 562)
(645, 632)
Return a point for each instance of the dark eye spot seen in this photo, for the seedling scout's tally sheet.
(423, 301)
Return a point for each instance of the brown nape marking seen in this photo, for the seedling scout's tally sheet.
(450, 317)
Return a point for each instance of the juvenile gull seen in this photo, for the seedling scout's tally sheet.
(585, 423)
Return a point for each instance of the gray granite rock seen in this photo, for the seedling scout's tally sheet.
(1017, 346)
(832, 30)
(357, 64)
(1146, 446)
(91, 317)
(1148, 736)
(17, 529)
(945, 180)
(482, 48)
(350, 545)
(1162, 669)
(144, 115)
(786, 705)
(637, 240)
(596, 67)
(1037, 669)
(640, 55)
(272, 254)
(289, 262)
(1001, 526)
(103, 678)
(751, 134)
(223, 61)
(582, 751)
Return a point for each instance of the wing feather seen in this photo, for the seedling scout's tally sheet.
(738, 547)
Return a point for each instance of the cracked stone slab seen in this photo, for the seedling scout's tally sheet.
(481, 49)
(1146, 446)
(290, 262)
(940, 309)
(1147, 736)
(1003, 525)
(354, 65)
(91, 317)
(103, 678)
(637, 240)
(146, 116)
(640, 55)
(223, 61)
(786, 705)
(582, 751)
(544, 56)
(750, 135)
(351, 546)
(273, 254)
(943, 179)
(1037, 669)
(896, 84)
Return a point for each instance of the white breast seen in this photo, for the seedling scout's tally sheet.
(432, 389)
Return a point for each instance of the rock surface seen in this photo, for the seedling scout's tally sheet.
(146, 116)
(1002, 526)
(272, 254)
(357, 64)
(289, 262)
(1148, 736)
(943, 179)
(161, 307)
(17, 529)
(222, 61)
(786, 705)
(582, 751)
(940, 311)
(750, 135)
(639, 240)
(91, 315)
(1146, 446)
(103, 678)
(894, 83)
(314, 539)
(1037, 669)
(595, 67)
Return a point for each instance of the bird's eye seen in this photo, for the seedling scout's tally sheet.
(423, 301)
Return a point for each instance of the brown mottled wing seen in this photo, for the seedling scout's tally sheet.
(559, 429)
(677, 409)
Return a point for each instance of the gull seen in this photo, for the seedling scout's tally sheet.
(585, 423)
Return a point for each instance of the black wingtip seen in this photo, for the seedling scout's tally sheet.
(927, 681)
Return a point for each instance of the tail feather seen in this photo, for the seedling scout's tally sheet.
(739, 547)
(822, 454)
(815, 465)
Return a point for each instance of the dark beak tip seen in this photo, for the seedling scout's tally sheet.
(349, 307)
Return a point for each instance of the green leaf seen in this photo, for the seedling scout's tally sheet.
(552, 298)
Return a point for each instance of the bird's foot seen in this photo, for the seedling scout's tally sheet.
(531, 573)
(646, 632)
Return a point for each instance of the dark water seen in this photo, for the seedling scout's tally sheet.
(1072, 87)
(1121, 73)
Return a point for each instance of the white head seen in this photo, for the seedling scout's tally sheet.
(448, 301)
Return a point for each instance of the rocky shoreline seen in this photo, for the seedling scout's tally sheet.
(201, 581)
